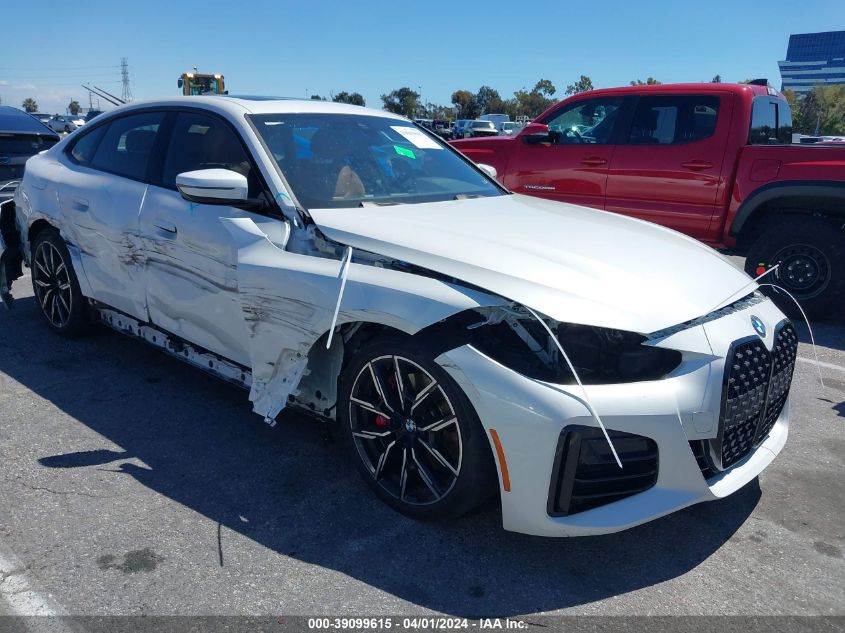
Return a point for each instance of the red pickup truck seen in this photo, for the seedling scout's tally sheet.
(714, 161)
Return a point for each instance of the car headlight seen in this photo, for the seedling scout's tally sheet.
(600, 355)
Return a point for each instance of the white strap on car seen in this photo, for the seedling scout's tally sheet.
(344, 272)
(588, 403)
(807, 321)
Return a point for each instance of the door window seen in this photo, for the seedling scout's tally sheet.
(201, 141)
(589, 121)
(127, 144)
(672, 120)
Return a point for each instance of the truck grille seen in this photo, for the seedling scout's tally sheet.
(756, 387)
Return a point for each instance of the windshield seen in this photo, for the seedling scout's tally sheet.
(346, 160)
(482, 124)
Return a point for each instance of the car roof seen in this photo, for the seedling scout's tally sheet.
(14, 121)
(240, 105)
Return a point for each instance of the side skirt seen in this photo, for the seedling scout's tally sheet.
(209, 362)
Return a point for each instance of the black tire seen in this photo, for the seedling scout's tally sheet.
(811, 254)
(464, 475)
(55, 285)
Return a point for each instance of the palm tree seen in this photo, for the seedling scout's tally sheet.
(73, 107)
(29, 105)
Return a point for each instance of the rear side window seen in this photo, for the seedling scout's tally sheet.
(674, 120)
(25, 144)
(127, 144)
(83, 150)
(200, 141)
(771, 122)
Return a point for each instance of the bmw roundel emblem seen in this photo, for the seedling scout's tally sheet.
(758, 325)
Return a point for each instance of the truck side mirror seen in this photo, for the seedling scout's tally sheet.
(535, 133)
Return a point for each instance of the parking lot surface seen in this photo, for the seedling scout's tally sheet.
(134, 484)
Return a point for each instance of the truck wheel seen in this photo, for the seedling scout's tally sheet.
(55, 285)
(811, 257)
(413, 434)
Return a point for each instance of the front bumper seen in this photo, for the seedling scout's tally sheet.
(529, 417)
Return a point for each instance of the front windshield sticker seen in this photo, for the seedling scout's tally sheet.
(416, 137)
(404, 151)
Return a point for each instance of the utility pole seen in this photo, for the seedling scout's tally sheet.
(124, 73)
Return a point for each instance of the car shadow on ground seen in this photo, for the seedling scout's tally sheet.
(297, 495)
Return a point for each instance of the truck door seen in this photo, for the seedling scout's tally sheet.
(669, 170)
(573, 165)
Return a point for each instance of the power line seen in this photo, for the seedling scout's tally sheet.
(38, 68)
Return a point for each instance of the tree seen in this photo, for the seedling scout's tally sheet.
(546, 87)
(821, 111)
(466, 104)
(345, 97)
(716, 80)
(582, 85)
(29, 105)
(317, 98)
(487, 97)
(403, 101)
(651, 81)
(73, 107)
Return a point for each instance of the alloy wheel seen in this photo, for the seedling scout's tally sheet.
(405, 430)
(51, 279)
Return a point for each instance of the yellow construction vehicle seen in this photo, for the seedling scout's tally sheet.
(201, 84)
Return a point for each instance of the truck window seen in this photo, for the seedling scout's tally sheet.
(771, 122)
(588, 121)
(673, 120)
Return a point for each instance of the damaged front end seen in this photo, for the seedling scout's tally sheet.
(512, 336)
(11, 255)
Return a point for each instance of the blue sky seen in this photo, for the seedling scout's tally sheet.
(289, 47)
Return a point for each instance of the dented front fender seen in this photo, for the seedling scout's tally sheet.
(288, 302)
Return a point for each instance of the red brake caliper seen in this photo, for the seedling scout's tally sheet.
(380, 419)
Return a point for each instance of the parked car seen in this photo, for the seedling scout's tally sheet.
(21, 136)
(711, 160)
(442, 128)
(77, 119)
(497, 119)
(43, 118)
(458, 127)
(91, 114)
(595, 370)
(509, 127)
(477, 128)
(62, 124)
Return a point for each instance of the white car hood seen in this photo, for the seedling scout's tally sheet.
(568, 262)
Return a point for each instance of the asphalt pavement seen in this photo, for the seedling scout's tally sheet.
(131, 483)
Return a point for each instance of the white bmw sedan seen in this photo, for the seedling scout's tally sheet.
(595, 371)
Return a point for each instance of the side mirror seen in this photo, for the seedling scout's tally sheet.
(213, 186)
(535, 133)
(489, 170)
(179, 83)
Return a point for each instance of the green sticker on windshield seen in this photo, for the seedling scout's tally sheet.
(403, 151)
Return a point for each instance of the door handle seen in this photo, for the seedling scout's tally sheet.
(79, 204)
(594, 161)
(167, 227)
(697, 165)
